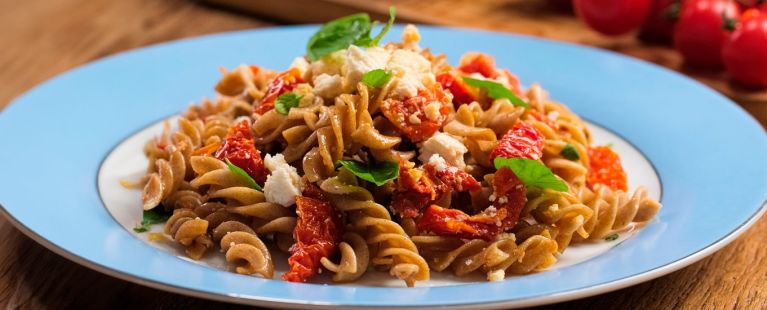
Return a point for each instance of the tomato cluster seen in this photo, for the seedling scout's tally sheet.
(318, 232)
(240, 149)
(282, 83)
(709, 34)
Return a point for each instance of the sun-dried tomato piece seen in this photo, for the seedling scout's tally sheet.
(282, 83)
(452, 178)
(521, 141)
(605, 168)
(419, 117)
(318, 232)
(481, 63)
(239, 148)
(419, 187)
(456, 86)
(415, 190)
(510, 199)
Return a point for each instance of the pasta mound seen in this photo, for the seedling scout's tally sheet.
(405, 150)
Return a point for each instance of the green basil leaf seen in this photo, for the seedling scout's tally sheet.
(496, 91)
(379, 174)
(570, 152)
(392, 13)
(286, 101)
(376, 78)
(153, 216)
(611, 237)
(242, 174)
(338, 34)
(532, 172)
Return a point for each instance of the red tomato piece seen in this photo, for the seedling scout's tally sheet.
(415, 190)
(521, 141)
(510, 199)
(282, 83)
(606, 169)
(459, 89)
(411, 117)
(318, 232)
(745, 55)
(240, 149)
(452, 179)
(612, 17)
(700, 35)
(481, 63)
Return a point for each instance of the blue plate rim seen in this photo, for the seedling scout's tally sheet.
(529, 301)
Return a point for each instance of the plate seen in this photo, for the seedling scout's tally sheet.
(702, 152)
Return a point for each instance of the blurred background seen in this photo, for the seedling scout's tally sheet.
(688, 37)
(722, 43)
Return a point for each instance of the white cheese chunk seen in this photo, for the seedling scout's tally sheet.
(438, 162)
(447, 147)
(432, 111)
(301, 64)
(359, 62)
(329, 64)
(409, 69)
(283, 183)
(328, 86)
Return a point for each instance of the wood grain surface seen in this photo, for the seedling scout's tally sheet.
(42, 38)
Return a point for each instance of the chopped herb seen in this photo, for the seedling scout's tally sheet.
(151, 217)
(379, 174)
(286, 101)
(610, 145)
(376, 78)
(570, 152)
(496, 91)
(244, 175)
(338, 34)
(611, 237)
(532, 172)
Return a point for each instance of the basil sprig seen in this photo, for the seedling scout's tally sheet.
(244, 175)
(496, 91)
(338, 34)
(151, 217)
(532, 172)
(379, 173)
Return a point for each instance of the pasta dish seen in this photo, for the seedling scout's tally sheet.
(365, 157)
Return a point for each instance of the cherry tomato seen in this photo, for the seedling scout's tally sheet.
(282, 83)
(414, 118)
(606, 169)
(613, 17)
(700, 32)
(240, 149)
(745, 54)
(317, 233)
(456, 86)
(521, 141)
(508, 204)
(659, 25)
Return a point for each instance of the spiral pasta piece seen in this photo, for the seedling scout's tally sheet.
(616, 210)
(355, 257)
(394, 249)
(243, 249)
(190, 231)
(563, 211)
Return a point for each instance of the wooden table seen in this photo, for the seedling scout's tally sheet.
(42, 38)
